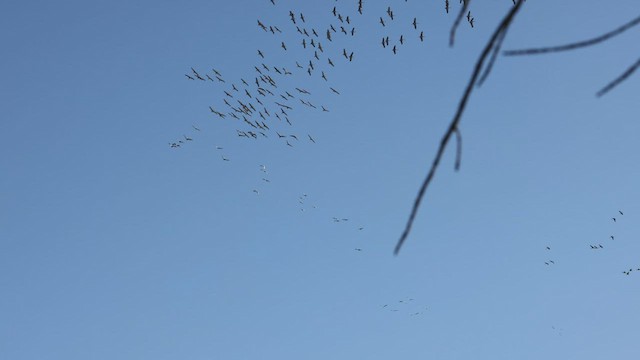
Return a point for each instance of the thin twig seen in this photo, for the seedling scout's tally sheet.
(452, 33)
(576, 45)
(494, 56)
(458, 149)
(453, 126)
(619, 79)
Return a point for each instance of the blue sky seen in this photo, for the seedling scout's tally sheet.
(115, 245)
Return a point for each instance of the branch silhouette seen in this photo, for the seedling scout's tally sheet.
(494, 56)
(619, 79)
(576, 45)
(500, 32)
(590, 42)
(452, 33)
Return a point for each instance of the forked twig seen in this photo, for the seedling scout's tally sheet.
(453, 126)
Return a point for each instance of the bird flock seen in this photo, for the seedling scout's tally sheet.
(407, 305)
(262, 103)
(598, 246)
(294, 65)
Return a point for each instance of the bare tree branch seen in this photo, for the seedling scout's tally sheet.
(576, 45)
(453, 126)
(452, 33)
(619, 79)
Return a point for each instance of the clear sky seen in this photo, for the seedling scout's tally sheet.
(115, 245)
